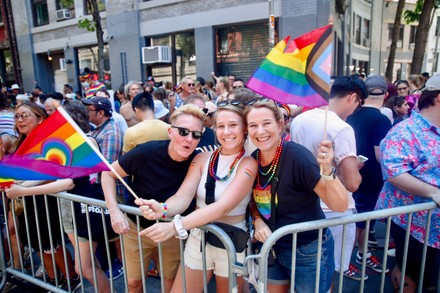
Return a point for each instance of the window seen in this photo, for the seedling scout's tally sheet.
(399, 38)
(1, 16)
(241, 48)
(357, 29)
(89, 7)
(39, 12)
(366, 32)
(65, 4)
(184, 51)
(412, 36)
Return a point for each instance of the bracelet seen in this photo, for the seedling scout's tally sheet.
(165, 210)
(254, 218)
(181, 232)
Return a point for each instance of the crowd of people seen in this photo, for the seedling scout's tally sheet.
(216, 152)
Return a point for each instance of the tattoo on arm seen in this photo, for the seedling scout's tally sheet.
(248, 173)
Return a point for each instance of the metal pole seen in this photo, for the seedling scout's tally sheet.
(271, 24)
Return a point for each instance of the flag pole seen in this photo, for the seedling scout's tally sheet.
(324, 137)
(98, 153)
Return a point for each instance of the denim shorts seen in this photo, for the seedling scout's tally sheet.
(305, 269)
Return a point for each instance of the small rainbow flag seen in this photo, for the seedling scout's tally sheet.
(298, 73)
(55, 149)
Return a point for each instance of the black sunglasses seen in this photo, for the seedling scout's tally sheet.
(185, 131)
(229, 102)
(253, 101)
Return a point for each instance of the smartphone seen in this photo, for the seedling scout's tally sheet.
(363, 159)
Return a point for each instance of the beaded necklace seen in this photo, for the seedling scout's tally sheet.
(212, 167)
(273, 166)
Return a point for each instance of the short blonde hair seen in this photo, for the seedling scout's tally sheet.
(191, 110)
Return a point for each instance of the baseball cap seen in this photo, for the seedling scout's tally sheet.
(15, 87)
(377, 84)
(159, 109)
(101, 102)
(86, 73)
(433, 84)
(150, 78)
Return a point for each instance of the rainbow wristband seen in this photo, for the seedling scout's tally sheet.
(165, 210)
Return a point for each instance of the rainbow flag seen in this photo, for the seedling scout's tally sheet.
(55, 149)
(299, 72)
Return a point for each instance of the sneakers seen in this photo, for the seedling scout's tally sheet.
(371, 262)
(372, 238)
(75, 283)
(391, 252)
(40, 272)
(117, 270)
(354, 273)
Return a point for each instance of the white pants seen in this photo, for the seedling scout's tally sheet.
(337, 236)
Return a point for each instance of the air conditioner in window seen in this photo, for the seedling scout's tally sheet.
(412, 45)
(156, 54)
(62, 64)
(63, 14)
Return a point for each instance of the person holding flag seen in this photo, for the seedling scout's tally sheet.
(80, 186)
(294, 198)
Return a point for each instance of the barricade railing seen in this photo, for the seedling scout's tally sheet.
(234, 268)
(319, 225)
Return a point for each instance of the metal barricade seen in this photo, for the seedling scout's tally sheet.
(234, 268)
(321, 224)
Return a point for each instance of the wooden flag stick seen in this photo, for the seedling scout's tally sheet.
(324, 135)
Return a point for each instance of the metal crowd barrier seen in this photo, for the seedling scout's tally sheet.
(235, 268)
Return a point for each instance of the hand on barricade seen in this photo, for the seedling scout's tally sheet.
(14, 191)
(262, 231)
(150, 208)
(160, 232)
(119, 222)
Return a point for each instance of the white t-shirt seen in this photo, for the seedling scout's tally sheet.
(307, 130)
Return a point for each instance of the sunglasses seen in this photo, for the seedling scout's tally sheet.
(224, 103)
(251, 102)
(191, 84)
(185, 131)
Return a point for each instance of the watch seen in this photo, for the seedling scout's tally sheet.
(181, 232)
(332, 176)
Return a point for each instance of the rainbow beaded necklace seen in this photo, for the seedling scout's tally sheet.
(273, 166)
(212, 168)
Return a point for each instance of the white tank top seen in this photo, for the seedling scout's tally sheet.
(222, 170)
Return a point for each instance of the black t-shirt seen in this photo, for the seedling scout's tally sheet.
(370, 127)
(156, 175)
(85, 188)
(296, 201)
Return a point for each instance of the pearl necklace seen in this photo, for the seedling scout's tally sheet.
(214, 158)
(273, 166)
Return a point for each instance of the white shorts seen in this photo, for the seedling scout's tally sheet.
(216, 258)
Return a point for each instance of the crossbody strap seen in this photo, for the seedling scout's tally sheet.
(210, 184)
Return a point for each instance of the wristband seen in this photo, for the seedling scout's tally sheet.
(254, 219)
(181, 232)
(165, 210)
(330, 177)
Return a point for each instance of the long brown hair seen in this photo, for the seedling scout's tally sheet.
(37, 110)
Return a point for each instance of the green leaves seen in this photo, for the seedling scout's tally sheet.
(88, 24)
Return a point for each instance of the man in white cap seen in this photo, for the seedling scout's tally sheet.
(160, 112)
(15, 88)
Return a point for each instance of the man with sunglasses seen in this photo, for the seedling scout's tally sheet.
(346, 94)
(158, 169)
(370, 127)
(187, 86)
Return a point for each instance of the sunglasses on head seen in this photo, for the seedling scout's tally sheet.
(253, 101)
(229, 102)
(185, 131)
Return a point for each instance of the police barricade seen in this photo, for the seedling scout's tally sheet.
(319, 225)
(18, 267)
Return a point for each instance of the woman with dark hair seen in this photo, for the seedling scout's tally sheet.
(298, 191)
(8, 134)
(400, 109)
(80, 186)
(402, 87)
(27, 117)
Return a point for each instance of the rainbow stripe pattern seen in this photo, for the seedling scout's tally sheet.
(299, 72)
(55, 149)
